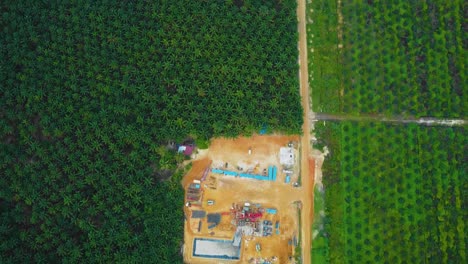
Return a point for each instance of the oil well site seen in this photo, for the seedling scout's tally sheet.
(242, 202)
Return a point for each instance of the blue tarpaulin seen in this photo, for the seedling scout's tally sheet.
(217, 171)
(270, 177)
(230, 173)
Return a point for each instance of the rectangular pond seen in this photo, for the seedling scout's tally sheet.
(215, 248)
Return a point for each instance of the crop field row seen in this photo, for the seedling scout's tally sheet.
(394, 194)
(397, 58)
(320, 249)
(92, 92)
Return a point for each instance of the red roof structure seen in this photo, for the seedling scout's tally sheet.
(188, 150)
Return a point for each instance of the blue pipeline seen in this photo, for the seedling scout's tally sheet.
(271, 174)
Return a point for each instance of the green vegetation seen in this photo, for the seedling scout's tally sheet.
(326, 59)
(91, 93)
(329, 134)
(394, 194)
(320, 247)
(298, 248)
(202, 144)
(398, 58)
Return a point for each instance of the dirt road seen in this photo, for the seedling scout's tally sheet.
(428, 121)
(307, 179)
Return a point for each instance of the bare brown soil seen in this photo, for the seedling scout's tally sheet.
(198, 167)
(229, 190)
(235, 151)
(307, 173)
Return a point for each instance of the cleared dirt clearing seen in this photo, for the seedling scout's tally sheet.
(264, 151)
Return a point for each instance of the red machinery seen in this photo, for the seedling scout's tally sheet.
(251, 216)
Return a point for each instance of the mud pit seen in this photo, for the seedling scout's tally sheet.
(228, 190)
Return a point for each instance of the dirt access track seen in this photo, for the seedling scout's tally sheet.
(264, 152)
(308, 182)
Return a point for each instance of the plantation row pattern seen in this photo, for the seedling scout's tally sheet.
(397, 58)
(398, 195)
(92, 92)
